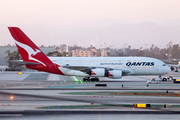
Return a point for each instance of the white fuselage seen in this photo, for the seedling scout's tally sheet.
(111, 67)
(135, 65)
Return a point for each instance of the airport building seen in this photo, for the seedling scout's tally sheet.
(3, 62)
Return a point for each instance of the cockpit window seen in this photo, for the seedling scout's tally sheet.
(164, 64)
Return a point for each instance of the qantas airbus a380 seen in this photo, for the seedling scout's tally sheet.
(111, 67)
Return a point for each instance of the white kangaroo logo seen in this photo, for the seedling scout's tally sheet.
(37, 51)
(30, 51)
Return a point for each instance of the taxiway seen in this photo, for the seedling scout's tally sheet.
(31, 95)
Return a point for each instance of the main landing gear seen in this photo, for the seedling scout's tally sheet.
(90, 79)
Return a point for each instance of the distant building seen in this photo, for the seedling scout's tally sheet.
(104, 53)
(156, 50)
(84, 53)
(46, 50)
(112, 52)
(62, 48)
(75, 53)
(120, 52)
(3, 54)
(98, 53)
(3, 68)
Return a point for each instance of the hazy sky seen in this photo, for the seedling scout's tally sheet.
(62, 12)
(86, 12)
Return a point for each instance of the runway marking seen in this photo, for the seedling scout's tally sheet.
(38, 76)
(77, 106)
(115, 106)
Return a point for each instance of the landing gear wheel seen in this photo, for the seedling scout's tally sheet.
(94, 79)
(86, 79)
(97, 79)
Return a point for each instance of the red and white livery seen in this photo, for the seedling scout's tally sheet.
(111, 67)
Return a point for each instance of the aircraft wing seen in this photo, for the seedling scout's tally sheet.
(173, 65)
(88, 68)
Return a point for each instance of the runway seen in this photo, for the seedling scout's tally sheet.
(32, 95)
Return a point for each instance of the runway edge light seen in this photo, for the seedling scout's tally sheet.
(11, 97)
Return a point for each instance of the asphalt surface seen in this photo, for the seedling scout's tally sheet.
(49, 96)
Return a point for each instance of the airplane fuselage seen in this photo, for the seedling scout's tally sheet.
(111, 67)
(135, 65)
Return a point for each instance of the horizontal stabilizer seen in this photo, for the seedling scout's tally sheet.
(21, 62)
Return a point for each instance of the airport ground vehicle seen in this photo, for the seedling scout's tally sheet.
(160, 79)
(153, 80)
(111, 67)
(170, 78)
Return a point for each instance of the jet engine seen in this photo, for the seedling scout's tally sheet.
(115, 74)
(99, 72)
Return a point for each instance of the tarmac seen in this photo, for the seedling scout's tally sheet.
(40, 95)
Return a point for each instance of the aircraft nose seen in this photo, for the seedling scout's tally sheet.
(168, 69)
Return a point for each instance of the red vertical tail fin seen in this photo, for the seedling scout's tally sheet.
(30, 52)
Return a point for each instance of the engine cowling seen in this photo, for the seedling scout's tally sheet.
(99, 72)
(115, 74)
